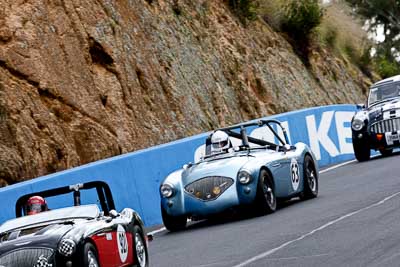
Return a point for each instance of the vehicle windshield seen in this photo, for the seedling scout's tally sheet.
(77, 212)
(384, 92)
(261, 137)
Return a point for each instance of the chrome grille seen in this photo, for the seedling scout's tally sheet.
(209, 188)
(390, 125)
(29, 257)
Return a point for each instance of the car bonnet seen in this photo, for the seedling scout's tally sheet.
(227, 167)
(41, 236)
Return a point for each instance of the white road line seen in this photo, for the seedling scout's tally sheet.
(337, 166)
(162, 229)
(272, 251)
(300, 257)
(323, 171)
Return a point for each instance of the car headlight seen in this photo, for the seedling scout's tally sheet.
(244, 177)
(67, 247)
(166, 190)
(357, 124)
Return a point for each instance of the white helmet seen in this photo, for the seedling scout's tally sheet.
(220, 142)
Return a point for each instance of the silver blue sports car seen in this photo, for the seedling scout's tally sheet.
(250, 164)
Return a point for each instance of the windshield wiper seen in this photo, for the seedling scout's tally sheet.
(259, 147)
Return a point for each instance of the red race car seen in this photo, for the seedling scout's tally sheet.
(81, 235)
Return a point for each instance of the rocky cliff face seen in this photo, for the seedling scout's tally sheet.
(86, 80)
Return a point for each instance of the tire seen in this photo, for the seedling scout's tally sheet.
(385, 152)
(140, 249)
(362, 150)
(90, 256)
(310, 179)
(173, 223)
(265, 201)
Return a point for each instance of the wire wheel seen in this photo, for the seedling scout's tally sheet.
(141, 254)
(265, 200)
(91, 256)
(310, 179)
(140, 250)
(269, 194)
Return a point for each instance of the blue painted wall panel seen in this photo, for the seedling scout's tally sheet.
(134, 178)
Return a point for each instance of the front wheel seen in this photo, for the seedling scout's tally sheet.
(90, 256)
(173, 223)
(310, 178)
(362, 150)
(141, 256)
(265, 201)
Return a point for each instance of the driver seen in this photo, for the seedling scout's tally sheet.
(36, 204)
(220, 142)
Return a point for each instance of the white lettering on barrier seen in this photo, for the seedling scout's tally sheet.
(343, 133)
(320, 135)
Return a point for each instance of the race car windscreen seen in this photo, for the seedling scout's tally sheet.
(64, 214)
(87, 197)
(383, 92)
(264, 133)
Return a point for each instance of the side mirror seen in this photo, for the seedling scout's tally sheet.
(113, 214)
(360, 106)
(187, 166)
(287, 148)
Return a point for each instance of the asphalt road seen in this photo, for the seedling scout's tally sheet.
(355, 221)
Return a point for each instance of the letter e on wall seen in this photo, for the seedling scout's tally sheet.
(344, 132)
(320, 135)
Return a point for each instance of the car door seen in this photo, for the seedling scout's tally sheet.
(114, 244)
(293, 172)
(288, 173)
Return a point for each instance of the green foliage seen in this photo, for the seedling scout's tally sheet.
(365, 61)
(271, 12)
(330, 36)
(359, 56)
(379, 12)
(351, 51)
(387, 68)
(245, 9)
(383, 14)
(301, 17)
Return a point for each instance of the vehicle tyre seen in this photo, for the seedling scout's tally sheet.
(386, 152)
(173, 223)
(265, 201)
(90, 256)
(362, 150)
(310, 178)
(140, 249)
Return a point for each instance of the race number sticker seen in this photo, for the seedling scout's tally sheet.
(294, 169)
(122, 243)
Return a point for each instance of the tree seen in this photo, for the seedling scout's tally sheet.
(383, 14)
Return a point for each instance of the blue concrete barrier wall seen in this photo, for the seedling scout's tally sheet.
(134, 178)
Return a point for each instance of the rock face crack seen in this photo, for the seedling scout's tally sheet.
(99, 55)
(19, 75)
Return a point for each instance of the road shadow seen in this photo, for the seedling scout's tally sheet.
(379, 156)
